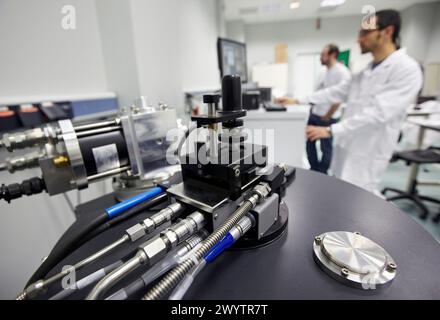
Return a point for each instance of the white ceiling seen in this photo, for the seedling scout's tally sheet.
(258, 11)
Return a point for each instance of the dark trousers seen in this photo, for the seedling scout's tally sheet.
(326, 146)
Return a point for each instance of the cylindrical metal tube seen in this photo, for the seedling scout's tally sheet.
(101, 252)
(95, 125)
(107, 173)
(108, 281)
(97, 131)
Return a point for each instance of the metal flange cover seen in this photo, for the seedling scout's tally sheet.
(354, 260)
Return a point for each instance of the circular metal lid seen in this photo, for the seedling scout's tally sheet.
(354, 259)
(354, 252)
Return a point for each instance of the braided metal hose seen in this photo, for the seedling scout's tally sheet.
(21, 296)
(172, 279)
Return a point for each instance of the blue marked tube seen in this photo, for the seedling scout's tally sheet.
(120, 208)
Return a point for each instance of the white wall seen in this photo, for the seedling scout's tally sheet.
(38, 57)
(119, 58)
(433, 53)
(417, 23)
(235, 30)
(175, 45)
(199, 32)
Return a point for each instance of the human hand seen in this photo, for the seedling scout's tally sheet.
(286, 100)
(314, 133)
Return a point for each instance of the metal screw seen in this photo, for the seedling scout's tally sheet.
(199, 166)
(318, 240)
(344, 272)
(391, 267)
(237, 172)
(216, 216)
(357, 232)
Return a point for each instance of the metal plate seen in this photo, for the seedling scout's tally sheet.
(354, 260)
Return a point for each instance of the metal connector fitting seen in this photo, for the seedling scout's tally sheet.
(241, 228)
(175, 207)
(244, 225)
(198, 219)
(152, 251)
(155, 249)
(166, 214)
(262, 190)
(136, 232)
(183, 229)
(149, 225)
(25, 161)
(21, 140)
(193, 241)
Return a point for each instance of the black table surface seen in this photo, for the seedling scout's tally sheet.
(285, 269)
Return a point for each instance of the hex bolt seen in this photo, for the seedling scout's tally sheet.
(391, 267)
(344, 272)
(318, 240)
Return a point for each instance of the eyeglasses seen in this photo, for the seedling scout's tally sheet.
(364, 32)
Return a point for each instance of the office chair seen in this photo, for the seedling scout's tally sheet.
(428, 156)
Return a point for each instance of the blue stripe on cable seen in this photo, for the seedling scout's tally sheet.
(123, 206)
(224, 244)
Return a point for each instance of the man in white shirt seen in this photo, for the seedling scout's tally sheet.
(377, 99)
(325, 114)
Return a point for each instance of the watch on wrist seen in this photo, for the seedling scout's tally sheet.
(329, 130)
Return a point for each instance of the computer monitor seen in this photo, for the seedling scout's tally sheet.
(232, 58)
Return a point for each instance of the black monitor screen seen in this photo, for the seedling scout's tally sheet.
(232, 58)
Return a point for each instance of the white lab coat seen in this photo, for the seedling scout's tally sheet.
(333, 76)
(377, 100)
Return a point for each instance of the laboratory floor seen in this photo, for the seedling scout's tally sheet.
(396, 176)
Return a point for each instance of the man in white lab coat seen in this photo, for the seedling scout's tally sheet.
(326, 114)
(377, 99)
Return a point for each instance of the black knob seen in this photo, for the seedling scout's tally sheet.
(231, 93)
(211, 98)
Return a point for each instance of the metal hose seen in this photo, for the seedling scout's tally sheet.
(107, 282)
(172, 279)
